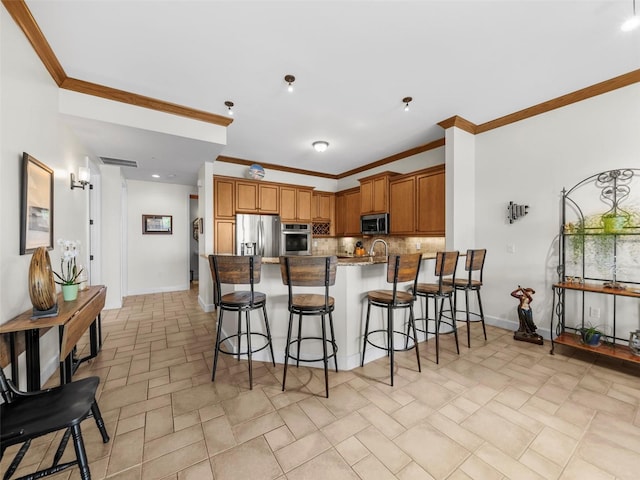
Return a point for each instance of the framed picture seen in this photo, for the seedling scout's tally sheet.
(157, 224)
(196, 228)
(36, 205)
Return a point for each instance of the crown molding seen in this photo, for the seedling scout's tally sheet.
(459, 122)
(563, 100)
(281, 168)
(121, 96)
(24, 19)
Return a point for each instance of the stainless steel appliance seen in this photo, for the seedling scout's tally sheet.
(295, 239)
(258, 235)
(377, 224)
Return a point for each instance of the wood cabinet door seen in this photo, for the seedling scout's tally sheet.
(224, 236)
(352, 207)
(431, 203)
(366, 197)
(246, 197)
(269, 199)
(402, 199)
(324, 207)
(288, 196)
(303, 205)
(223, 197)
(341, 214)
(379, 198)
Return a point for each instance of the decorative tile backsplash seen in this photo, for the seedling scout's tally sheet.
(346, 245)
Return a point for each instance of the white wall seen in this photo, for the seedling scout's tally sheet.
(157, 263)
(529, 162)
(30, 122)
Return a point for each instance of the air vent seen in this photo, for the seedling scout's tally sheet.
(118, 162)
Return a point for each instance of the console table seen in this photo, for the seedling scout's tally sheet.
(73, 320)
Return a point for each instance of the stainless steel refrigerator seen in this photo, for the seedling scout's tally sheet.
(258, 235)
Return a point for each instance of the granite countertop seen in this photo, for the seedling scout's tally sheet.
(352, 260)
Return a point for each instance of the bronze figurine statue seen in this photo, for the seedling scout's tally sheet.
(527, 329)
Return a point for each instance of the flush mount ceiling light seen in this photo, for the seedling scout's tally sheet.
(289, 79)
(320, 145)
(406, 101)
(229, 105)
(632, 22)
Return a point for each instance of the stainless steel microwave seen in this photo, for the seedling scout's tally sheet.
(377, 224)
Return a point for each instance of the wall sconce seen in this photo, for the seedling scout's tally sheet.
(84, 175)
(515, 211)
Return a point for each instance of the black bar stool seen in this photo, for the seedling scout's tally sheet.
(474, 265)
(446, 263)
(239, 270)
(307, 271)
(400, 269)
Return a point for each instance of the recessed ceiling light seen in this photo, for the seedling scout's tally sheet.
(406, 101)
(320, 145)
(289, 79)
(171, 175)
(155, 175)
(229, 104)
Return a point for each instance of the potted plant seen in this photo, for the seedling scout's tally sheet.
(69, 272)
(590, 335)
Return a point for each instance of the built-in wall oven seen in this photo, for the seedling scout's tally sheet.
(295, 239)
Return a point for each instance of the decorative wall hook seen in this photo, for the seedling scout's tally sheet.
(515, 211)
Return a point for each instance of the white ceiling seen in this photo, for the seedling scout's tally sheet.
(353, 60)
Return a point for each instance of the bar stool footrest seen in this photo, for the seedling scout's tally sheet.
(334, 347)
(403, 334)
(246, 352)
(433, 332)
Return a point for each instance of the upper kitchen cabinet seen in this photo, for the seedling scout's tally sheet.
(321, 206)
(348, 212)
(223, 197)
(295, 204)
(256, 197)
(430, 186)
(417, 202)
(402, 199)
(374, 193)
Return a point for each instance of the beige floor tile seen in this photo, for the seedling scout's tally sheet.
(218, 435)
(131, 423)
(257, 426)
(301, 451)
(412, 413)
(506, 435)
(344, 400)
(372, 469)
(143, 406)
(603, 403)
(317, 412)
(164, 445)
(279, 437)
(413, 471)
(127, 451)
(610, 457)
(383, 422)
(297, 421)
(455, 432)
(540, 464)
(186, 420)
(158, 424)
(175, 461)
(512, 397)
(246, 406)
(199, 471)
(329, 465)
(252, 459)
(345, 427)
(508, 466)
(352, 450)
(432, 450)
(479, 470)
(384, 449)
(578, 469)
(554, 445)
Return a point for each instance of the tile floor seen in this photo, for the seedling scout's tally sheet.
(502, 409)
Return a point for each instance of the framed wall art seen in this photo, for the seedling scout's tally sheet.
(36, 205)
(157, 224)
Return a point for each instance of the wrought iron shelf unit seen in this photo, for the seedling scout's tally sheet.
(597, 255)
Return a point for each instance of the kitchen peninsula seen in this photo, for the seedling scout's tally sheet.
(354, 278)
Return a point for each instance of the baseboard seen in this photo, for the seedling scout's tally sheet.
(172, 288)
(513, 325)
(206, 307)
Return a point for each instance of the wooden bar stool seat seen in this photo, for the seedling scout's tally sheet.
(400, 269)
(307, 271)
(239, 270)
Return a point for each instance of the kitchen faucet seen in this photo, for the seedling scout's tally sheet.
(373, 244)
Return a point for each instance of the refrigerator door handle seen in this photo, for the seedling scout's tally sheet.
(260, 238)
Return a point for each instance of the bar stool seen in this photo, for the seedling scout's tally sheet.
(239, 270)
(400, 268)
(307, 271)
(446, 263)
(474, 263)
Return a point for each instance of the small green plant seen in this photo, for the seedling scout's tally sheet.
(590, 334)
